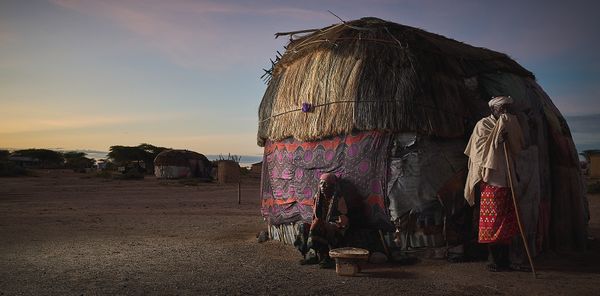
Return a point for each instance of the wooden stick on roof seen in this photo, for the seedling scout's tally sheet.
(295, 32)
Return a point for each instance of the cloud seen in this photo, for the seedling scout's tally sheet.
(174, 39)
(235, 143)
(522, 29)
(186, 30)
(537, 32)
(584, 131)
(250, 8)
(192, 34)
(31, 122)
(580, 101)
(5, 35)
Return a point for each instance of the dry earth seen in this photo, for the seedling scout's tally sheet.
(70, 234)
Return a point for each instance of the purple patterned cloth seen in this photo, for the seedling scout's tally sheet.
(291, 171)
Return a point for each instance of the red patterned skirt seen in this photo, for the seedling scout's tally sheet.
(497, 220)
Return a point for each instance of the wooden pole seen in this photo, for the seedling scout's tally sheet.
(385, 247)
(239, 192)
(514, 199)
(295, 32)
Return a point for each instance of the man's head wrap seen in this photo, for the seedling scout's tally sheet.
(329, 178)
(499, 101)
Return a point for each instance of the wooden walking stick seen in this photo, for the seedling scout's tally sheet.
(514, 199)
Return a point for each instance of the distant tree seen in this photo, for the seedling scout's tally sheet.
(155, 150)
(47, 158)
(122, 155)
(151, 153)
(73, 154)
(77, 160)
(4, 155)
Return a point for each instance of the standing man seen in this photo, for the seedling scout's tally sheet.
(330, 220)
(487, 169)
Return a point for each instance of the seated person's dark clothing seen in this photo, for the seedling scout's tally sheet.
(330, 219)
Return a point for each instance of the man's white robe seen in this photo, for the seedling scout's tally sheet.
(486, 152)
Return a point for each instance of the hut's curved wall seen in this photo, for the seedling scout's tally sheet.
(172, 172)
(369, 75)
(174, 164)
(292, 170)
(228, 171)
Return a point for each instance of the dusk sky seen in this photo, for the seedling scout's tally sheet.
(186, 74)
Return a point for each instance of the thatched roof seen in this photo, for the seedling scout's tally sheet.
(178, 158)
(370, 74)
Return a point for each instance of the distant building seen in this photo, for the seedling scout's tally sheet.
(228, 171)
(256, 169)
(175, 164)
(594, 165)
(101, 164)
(25, 161)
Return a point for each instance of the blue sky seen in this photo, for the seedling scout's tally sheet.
(186, 74)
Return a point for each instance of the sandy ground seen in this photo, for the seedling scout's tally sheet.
(69, 234)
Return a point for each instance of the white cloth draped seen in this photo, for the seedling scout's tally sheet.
(486, 152)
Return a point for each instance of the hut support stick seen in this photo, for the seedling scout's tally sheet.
(239, 192)
(514, 198)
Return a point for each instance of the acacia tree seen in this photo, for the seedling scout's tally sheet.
(151, 153)
(48, 158)
(122, 155)
(77, 160)
(4, 155)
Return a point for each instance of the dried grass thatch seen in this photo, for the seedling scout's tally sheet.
(179, 158)
(370, 74)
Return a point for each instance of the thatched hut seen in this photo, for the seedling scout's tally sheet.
(175, 164)
(594, 164)
(389, 109)
(228, 171)
(256, 169)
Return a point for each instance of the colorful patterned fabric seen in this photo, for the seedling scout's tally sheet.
(497, 220)
(292, 169)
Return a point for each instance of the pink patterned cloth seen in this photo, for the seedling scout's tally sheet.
(292, 171)
(497, 220)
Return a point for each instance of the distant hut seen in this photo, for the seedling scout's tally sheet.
(175, 164)
(389, 109)
(25, 161)
(594, 163)
(256, 168)
(228, 171)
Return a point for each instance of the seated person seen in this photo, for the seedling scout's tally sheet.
(329, 222)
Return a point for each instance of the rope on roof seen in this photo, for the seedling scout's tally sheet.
(365, 101)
